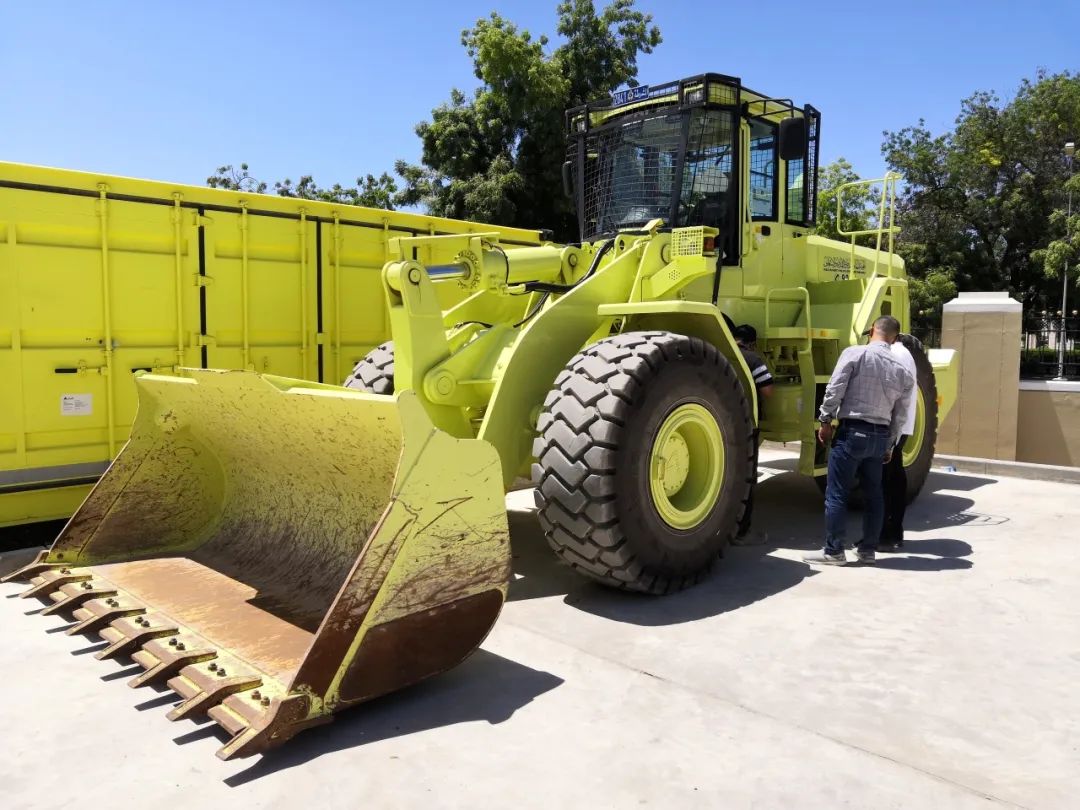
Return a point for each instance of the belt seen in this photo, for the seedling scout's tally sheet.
(862, 423)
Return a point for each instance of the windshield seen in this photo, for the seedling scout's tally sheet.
(629, 173)
(634, 169)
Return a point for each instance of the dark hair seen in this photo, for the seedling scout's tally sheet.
(745, 332)
(911, 342)
(887, 326)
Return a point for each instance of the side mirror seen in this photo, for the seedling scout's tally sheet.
(793, 138)
(567, 179)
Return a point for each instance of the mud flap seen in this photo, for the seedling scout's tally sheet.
(276, 550)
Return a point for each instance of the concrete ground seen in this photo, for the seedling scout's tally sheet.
(944, 677)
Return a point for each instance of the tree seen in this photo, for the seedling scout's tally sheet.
(233, 179)
(369, 191)
(1062, 254)
(983, 204)
(496, 155)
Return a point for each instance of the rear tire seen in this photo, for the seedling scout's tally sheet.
(375, 373)
(602, 486)
(917, 459)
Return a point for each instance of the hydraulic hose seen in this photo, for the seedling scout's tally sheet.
(548, 287)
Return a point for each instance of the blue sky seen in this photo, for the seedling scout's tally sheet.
(171, 90)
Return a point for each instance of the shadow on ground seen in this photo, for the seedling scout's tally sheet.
(788, 508)
(935, 507)
(957, 482)
(743, 577)
(907, 563)
(487, 687)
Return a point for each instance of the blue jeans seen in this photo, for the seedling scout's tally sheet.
(859, 448)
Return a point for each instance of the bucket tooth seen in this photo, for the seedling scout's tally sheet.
(48, 581)
(161, 661)
(30, 570)
(203, 687)
(74, 594)
(127, 634)
(98, 613)
(229, 719)
(257, 728)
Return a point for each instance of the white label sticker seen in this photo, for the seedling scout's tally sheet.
(76, 404)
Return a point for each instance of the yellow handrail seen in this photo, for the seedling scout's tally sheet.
(886, 205)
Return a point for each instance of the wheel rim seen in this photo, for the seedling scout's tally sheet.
(686, 466)
(914, 444)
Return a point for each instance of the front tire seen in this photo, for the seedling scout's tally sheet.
(644, 460)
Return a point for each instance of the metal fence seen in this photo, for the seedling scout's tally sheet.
(1042, 341)
(929, 334)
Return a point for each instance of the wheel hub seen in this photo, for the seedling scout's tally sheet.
(686, 467)
(674, 463)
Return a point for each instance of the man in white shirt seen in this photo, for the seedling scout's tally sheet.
(894, 478)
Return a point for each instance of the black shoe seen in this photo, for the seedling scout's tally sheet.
(890, 545)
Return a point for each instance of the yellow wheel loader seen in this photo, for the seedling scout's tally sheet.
(277, 550)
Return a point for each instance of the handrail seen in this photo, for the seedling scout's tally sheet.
(888, 193)
(806, 310)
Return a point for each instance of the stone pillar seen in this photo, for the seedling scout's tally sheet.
(984, 327)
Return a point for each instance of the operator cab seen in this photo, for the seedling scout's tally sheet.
(683, 152)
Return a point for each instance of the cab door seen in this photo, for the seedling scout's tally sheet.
(762, 243)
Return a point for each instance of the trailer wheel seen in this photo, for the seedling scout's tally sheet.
(643, 460)
(919, 448)
(375, 373)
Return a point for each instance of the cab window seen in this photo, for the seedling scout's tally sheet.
(762, 169)
(796, 198)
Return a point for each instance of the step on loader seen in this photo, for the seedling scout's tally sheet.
(275, 550)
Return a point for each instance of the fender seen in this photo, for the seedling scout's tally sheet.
(695, 318)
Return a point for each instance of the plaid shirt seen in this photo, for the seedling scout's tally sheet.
(870, 384)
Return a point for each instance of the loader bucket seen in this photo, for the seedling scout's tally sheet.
(276, 550)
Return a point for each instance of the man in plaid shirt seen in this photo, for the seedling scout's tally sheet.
(869, 394)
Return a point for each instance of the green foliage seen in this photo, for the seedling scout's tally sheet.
(497, 155)
(233, 179)
(1063, 252)
(370, 191)
(983, 205)
(928, 294)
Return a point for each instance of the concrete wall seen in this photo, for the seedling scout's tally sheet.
(1048, 423)
(985, 329)
(997, 415)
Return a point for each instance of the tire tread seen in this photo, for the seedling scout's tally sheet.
(579, 432)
